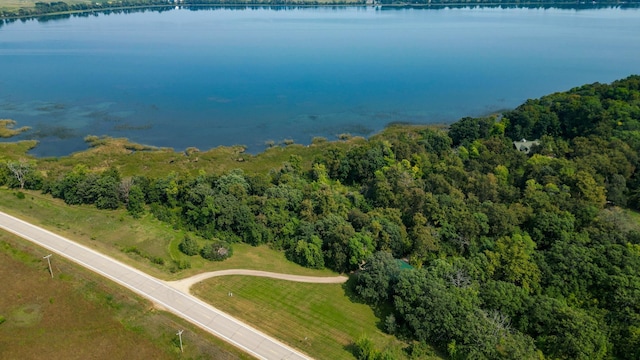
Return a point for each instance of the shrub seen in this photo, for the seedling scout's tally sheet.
(365, 349)
(191, 150)
(390, 324)
(189, 246)
(131, 250)
(135, 202)
(179, 265)
(319, 140)
(217, 251)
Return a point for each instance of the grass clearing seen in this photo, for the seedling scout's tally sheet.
(318, 319)
(634, 216)
(82, 316)
(263, 258)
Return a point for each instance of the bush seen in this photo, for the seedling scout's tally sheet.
(179, 265)
(217, 251)
(189, 246)
(135, 202)
(365, 349)
(131, 250)
(308, 254)
(4, 175)
(390, 324)
(319, 140)
(162, 213)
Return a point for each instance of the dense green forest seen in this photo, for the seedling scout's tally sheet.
(514, 255)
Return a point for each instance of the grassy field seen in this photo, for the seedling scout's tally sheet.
(263, 258)
(18, 4)
(318, 319)
(78, 315)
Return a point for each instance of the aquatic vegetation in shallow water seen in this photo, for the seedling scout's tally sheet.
(56, 131)
(7, 128)
(128, 127)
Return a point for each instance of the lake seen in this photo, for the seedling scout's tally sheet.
(180, 78)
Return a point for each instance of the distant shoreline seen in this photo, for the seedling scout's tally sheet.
(57, 9)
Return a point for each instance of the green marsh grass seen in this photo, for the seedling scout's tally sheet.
(158, 162)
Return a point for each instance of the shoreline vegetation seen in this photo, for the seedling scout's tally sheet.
(7, 129)
(10, 11)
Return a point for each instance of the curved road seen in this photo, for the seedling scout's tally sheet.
(180, 303)
(185, 284)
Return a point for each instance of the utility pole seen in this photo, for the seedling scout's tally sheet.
(180, 336)
(48, 257)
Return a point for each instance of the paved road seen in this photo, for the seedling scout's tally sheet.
(184, 284)
(184, 305)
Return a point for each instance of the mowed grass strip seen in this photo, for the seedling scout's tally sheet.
(318, 319)
(79, 315)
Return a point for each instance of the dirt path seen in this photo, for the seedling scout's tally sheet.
(185, 284)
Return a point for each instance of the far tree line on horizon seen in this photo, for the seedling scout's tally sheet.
(515, 255)
(40, 9)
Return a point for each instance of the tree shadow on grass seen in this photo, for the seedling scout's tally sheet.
(350, 291)
(381, 311)
(352, 348)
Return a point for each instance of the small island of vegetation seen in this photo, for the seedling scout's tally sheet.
(514, 254)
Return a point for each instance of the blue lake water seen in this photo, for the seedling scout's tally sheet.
(205, 78)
